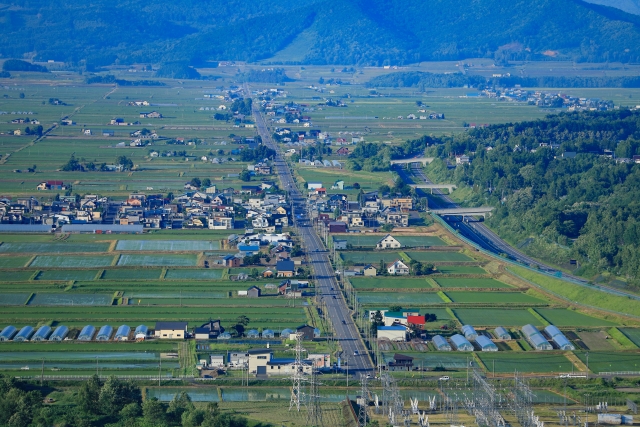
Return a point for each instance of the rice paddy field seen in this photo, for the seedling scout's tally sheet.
(205, 274)
(370, 241)
(434, 256)
(469, 283)
(493, 297)
(633, 334)
(363, 258)
(459, 269)
(571, 318)
(389, 283)
(167, 245)
(60, 261)
(157, 260)
(37, 247)
(610, 361)
(495, 317)
(58, 299)
(526, 362)
(132, 274)
(403, 298)
(14, 261)
(66, 275)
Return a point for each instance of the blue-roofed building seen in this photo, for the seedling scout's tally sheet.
(59, 334)
(460, 343)
(122, 334)
(8, 333)
(42, 334)
(87, 333)
(24, 334)
(104, 334)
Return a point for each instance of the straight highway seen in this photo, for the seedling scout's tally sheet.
(327, 288)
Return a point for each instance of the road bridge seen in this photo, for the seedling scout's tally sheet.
(424, 160)
(432, 187)
(484, 211)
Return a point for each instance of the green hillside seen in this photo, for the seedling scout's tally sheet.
(372, 32)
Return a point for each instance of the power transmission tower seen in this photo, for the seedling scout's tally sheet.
(314, 410)
(364, 402)
(297, 394)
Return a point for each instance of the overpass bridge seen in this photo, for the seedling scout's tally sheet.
(424, 160)
(484, 211)
(432, 187)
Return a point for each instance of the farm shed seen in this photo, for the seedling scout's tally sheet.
(87, 333)
(501, 333)
(141, 332)
(104, 333)
(122, 334)
(392, 333)
(42, 334)
(8, 333)
(486, 344)
(559, 338)
(535, 338)
(24, 334)
(268, 333)
(460, 343)
(440, 343)
(469, 333)
(59, 334)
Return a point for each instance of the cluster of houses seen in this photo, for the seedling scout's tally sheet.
(371, 211)
(545, 99)
(65, 210)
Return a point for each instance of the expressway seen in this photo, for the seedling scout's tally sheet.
(343, 324)
(487, 239)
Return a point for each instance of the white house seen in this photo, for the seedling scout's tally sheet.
(398, 268)
(314, 185)
(388, 242)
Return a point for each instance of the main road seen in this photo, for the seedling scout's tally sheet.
(487, 239)
(346, 333)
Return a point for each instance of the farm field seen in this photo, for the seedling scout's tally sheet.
(633, 334)
(13, 261)
(460, 269)
(469, 283)
(447, 360)
(157, 260)
(69, 299)
(131, 274)
(433, 256)
(370, 241)
(493, 297)
(59, 261)
(167, 245)
(402, 298)
(14, 299)
(204, 274)
(66, 275)
(389, 282)
(610, 361)
(495, 317)
(571, 318)
(596, 341)
(525, 362)
(37, 247)
(363, 258)
(15, 276)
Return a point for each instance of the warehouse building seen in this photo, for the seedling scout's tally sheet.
(535, 338)
(392, 333)
(171, 330)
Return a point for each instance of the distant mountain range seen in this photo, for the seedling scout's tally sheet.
(360, 32)
(629, 6)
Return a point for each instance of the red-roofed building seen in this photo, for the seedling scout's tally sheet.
(321, 191)
(418, 321)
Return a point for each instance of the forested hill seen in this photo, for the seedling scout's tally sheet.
(363, 32)
(586, 207)
(629, 6)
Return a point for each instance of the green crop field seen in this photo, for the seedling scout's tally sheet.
(362, 258)
(176, 295)
(611, 362)
(469, 283)
(389, 282)
(398, 298)
(167, 245)
(448, 360)
(420, 241)
(525, 362)
(493, 297)
(205, 274)
(633, 334)
(460, 269)
(495, 317)
(65, 275)
(15, 276)
(132, 274)
(158, 260)
(38, 248)
(14, 299)
(432, 256)
(69, 299)
(571, 318)
(60, 261)
(13, 261)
